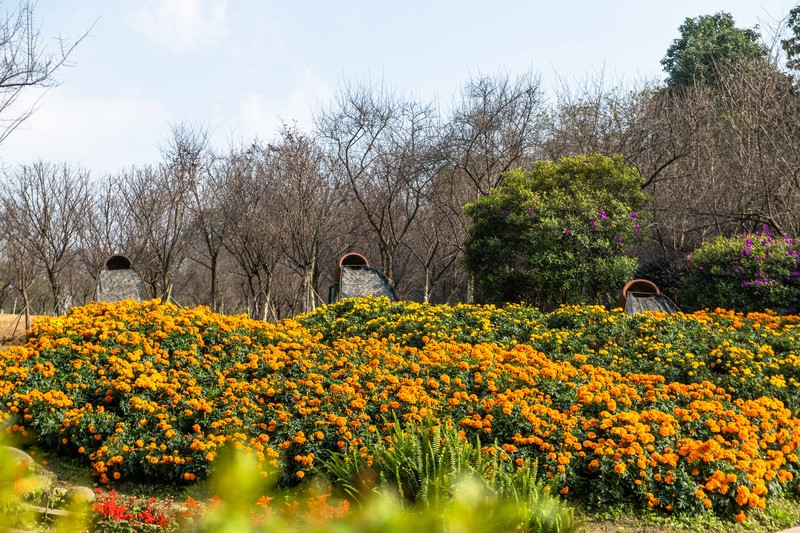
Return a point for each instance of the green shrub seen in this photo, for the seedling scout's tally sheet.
(745, 273)
(666, 269)
(431, 468)
(556, 234)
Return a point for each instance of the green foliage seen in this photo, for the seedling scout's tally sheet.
(15, 481)
(745, 273)
(707, 45)
(792, 45)
(238, 485)
(428, 466)
(25, 491)
(244, 503)
(556, 234)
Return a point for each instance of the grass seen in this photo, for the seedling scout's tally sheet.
(780, 514)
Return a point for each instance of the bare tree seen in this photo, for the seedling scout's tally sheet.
(155, 207)
(26, 63)
(103, 235)
(45, 207)
(611, 118)
(252, 221)
(494, 127)
(306, 197)
(382, 144)
(760, 112)
(207, 206)
(742, 151)
(189, 158)
(434, 245)
(19, 270)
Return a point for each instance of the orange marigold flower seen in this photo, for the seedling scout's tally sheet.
(263, 501)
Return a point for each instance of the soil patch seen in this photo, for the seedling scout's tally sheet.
(12, 329)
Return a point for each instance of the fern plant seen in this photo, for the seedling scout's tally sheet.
(432, 469)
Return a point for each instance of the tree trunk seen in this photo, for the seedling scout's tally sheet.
(56, 289)
(309, 301)
(252, 297)
(267, 298)
(388, 263)
(27, 302)
(167, 289)
(214, 283)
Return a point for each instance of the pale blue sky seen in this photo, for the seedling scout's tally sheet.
(239, 66)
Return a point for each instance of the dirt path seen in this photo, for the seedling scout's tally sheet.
(12, 329)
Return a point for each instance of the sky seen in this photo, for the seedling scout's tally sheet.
(239, 68)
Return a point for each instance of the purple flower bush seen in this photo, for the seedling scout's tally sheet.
(750, 272)
(557, 233)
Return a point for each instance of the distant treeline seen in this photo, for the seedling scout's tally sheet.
(258, 228)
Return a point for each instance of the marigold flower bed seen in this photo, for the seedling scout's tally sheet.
(680, 413)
